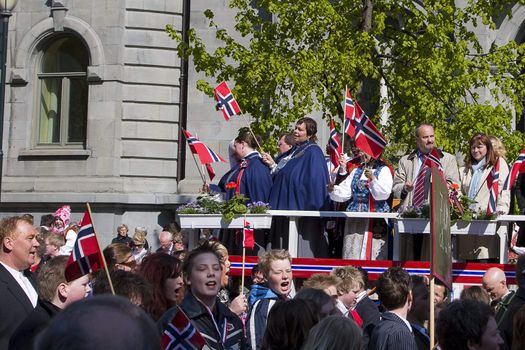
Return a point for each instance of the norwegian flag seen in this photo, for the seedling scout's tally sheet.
(492, 183)
(434, 159)
(227, 103)
(180, 334)
(206, 155)
(210, 170)
(248, 239)
(349, 111)
(85, 256)
(335, 148)
(367, 137)
(517, 168)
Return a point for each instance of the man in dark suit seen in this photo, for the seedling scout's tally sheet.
(505, 324)
(495, 283)
(18, 296)
(394, 331)
(420, 312)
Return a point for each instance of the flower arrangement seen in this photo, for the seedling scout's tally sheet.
(232, 208)
(462, 208)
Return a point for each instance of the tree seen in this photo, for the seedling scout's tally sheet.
(300, 58)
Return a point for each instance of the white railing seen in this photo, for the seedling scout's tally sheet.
(295, 215)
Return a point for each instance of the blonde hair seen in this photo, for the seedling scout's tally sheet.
(322, 281)
(498, 147)
(267, 258)
(349, 276)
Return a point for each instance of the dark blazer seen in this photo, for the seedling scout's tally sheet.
(14, 306)
(24, 336)
(392, 334)
(506, 321)
(369, 312)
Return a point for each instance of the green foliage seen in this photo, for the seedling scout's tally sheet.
(432, 64)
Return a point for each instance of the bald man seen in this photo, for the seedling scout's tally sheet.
(495, 283)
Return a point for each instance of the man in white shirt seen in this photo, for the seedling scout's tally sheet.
(18, 296)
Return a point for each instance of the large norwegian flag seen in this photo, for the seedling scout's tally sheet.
(335, 148)
(517, 168)
(433, 158)
(227, 103)
(493, 185)
(85, 256)
(180, 334)
(206, 155)
(248, 239)
(366, 136)
(349, 111)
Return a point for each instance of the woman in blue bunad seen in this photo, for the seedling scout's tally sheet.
(368, 187)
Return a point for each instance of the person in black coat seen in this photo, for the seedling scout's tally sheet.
(55, 293)
(18, 296)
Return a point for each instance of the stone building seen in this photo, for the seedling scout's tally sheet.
(95, 98)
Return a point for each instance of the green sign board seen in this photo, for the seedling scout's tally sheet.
(441, 257)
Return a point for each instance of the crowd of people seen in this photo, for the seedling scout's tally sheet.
(172, 298)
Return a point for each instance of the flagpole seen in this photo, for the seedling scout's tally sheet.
(251, 131)
(243, 254)
(431, 315)
(100, 250)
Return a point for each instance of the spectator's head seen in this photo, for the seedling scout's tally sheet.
(495, 283)
(420, 309)
(440, 293)
(351, 284)
(202, 273)
(334, 332)
(327, 305)
(480, 149)
(284, 329)
(127, 284)
(425, 139)
(166, 240)
(101, 322)
(244, 144)
(286, 142)
(467, 325)
(257, 275)
(164, 273)
(139, 240)
(119, 256)
(276, 266)
(326, 283)
(393, 288)
(475, 293)
(305, 129)
(53, 287)
(498, 147)
(47, 220)
(122, 230)
(178, 242)
(18, 243)
(53, 242)
(61, 219)
(222, 252)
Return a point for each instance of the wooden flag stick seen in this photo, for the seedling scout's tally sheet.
(251, 131)
(100, 250)
(431, 321)
(243, 254)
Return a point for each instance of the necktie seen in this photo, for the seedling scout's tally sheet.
(419, 188)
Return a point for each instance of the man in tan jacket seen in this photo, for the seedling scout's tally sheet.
(405, 179)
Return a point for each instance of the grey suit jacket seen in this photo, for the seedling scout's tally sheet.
(14, 306)
(406, 171)
(392, 333)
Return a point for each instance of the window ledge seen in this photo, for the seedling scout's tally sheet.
(54, 152)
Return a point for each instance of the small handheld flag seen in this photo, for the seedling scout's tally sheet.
(180, 334)
(248, 239)
(367, 136)
(206, 155)
(226, 102)
(335, 148)
(85, 256)
(493, 184)
(349, 111)
(517, 168)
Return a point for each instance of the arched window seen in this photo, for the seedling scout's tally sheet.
(63, 93)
